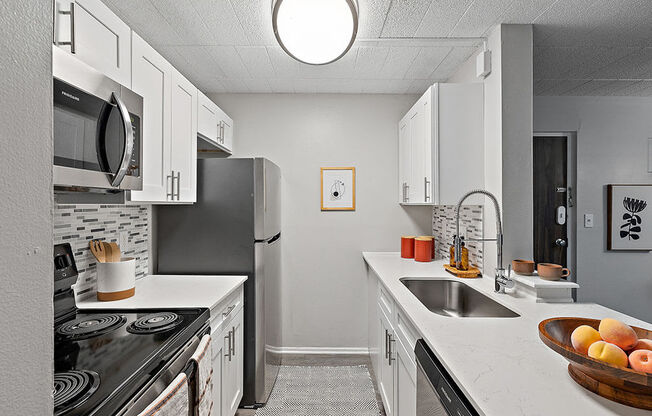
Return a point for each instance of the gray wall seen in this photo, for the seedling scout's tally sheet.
(612, 135)
(324, 295)
(507, 138)
(26, 346)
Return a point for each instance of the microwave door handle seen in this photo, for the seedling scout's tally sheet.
(129, 141)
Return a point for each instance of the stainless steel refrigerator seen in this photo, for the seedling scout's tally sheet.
(234, 228)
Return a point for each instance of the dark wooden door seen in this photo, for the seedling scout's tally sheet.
(550, 192)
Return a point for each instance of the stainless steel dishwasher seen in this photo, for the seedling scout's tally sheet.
(437, 394)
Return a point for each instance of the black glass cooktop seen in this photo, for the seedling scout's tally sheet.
(102, 358)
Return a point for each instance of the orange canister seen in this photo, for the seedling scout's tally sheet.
(423, 249)
(433, 243)
(407, 247)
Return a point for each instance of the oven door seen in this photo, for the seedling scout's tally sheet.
(97, 125)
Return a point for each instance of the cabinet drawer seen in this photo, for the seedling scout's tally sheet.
(226, 310)
(385, 302)
(405, 332)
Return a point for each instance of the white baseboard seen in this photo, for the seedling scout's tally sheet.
(318, 350)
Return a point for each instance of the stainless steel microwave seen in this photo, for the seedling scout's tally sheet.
(97, 129)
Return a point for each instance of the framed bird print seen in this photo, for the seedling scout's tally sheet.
(338, 189)
(630, 217)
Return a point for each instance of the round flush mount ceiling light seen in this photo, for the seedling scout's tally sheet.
(315, 32)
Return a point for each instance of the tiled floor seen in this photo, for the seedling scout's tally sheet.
(326, 360)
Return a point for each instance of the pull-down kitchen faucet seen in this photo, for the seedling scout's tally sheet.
(501, 280)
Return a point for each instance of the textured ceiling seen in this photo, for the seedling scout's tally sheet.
(582, 47)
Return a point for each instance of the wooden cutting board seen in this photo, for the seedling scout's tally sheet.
(473, 272)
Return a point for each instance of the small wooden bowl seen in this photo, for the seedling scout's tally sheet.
(620, 384)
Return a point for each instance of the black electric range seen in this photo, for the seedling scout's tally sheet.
(114, 362)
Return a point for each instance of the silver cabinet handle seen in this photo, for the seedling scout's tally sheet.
(222, 132)
(72, 42)
(407, 192)
(169, 195)
(390, 358)
(426, 184)
(178, 185)
(129, 140)
(228, 339)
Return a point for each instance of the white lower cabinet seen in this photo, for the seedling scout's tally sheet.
(405, 397)
(386, 367)
(394, 364)
(227, 350)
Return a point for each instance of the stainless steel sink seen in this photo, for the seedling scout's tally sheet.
(453, 298)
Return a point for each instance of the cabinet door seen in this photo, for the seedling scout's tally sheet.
(183, 148)
(387, 365)
(232, 366)
(94, 34)
(238, 361)
(152, 80)
(404, 161)
(207, 122)
(225, 132)
(218, 349)
(419, 134)
(405, 382)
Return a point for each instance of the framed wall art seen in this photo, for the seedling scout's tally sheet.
(338, 189)
(629, 213)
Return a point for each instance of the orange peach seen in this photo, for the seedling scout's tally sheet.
(643, 344)
(616, 332)
(609, 353)
(641, 360)
(582, 338)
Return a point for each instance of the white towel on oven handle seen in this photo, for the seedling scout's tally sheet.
(204, 377)
(173, 401)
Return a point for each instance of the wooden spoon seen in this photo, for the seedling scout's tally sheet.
(115, 252)
(97, 248)
(108, 250)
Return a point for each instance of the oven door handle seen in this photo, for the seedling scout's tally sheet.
(129, 141)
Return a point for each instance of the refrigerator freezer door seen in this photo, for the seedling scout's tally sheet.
(267, 182)
(268, 314)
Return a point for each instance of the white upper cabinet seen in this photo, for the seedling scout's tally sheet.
(90, 31)
(225, 135)
(152, 79)
(207, 124)
(214, 125)
(183, 145)
(441, 152)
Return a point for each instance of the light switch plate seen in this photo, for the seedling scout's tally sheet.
(588, 220)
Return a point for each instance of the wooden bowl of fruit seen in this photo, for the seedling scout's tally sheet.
(606, 357)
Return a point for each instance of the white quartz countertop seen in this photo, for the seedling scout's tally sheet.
(500, 363)
(173, 291)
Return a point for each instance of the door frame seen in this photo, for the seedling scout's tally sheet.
(571, 196)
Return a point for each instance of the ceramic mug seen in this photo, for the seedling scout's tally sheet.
(550, 271)
(523, 267)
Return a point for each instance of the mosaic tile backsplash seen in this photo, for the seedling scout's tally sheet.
(443, 229)
(78, 224)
